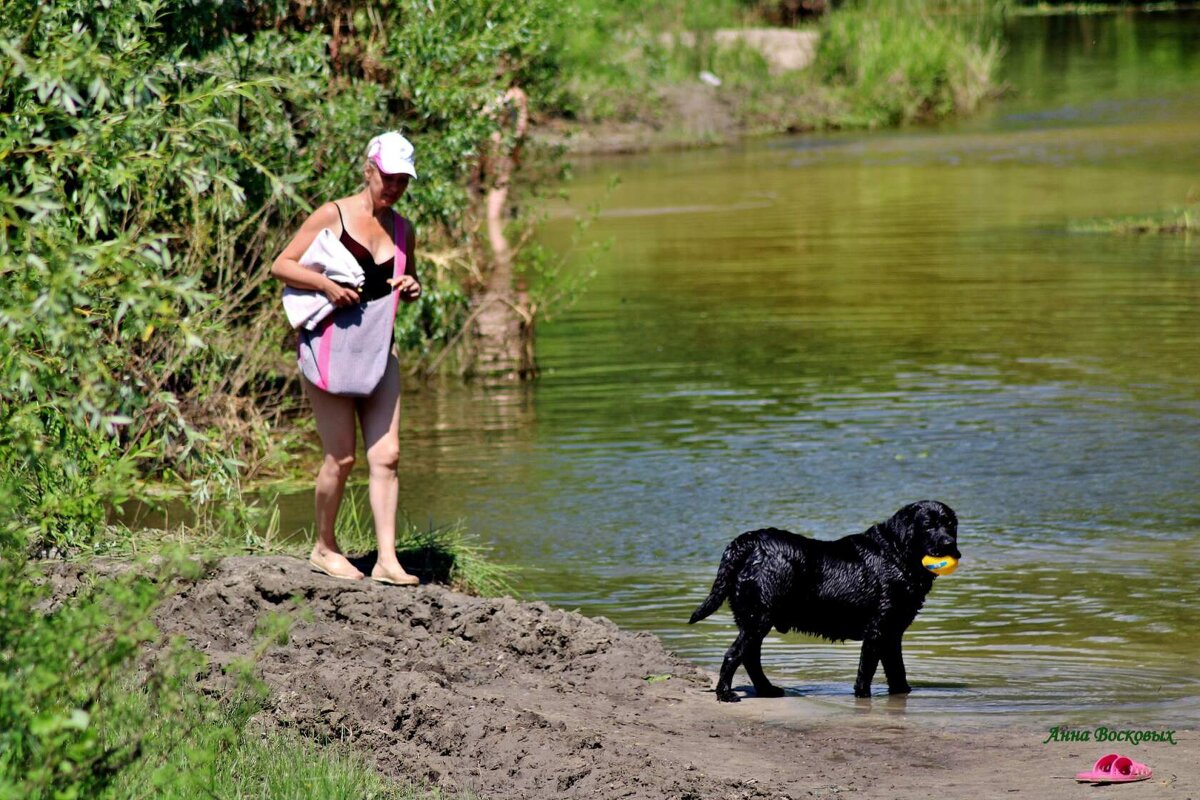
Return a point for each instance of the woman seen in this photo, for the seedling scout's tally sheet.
(367, 227)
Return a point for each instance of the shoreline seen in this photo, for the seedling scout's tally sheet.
(521, 700)
(693, 115)
(700, 118)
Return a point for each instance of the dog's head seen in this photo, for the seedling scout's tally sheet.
(927, 528)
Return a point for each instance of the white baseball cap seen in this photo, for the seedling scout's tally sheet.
(392, 153)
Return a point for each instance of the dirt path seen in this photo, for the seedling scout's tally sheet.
(516, 700)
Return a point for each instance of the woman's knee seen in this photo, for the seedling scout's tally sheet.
(340, 465)
(384, 456)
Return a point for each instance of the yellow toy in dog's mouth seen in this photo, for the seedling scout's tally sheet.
(940, 565)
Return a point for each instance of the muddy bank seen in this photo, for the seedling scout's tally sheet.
(686, 116)
(692, 115)
(520, 700)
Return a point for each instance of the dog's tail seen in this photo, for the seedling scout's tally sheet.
(731, 564)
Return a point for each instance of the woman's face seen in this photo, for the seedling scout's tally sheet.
(386, 189)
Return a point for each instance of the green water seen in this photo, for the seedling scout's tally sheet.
(810, 332)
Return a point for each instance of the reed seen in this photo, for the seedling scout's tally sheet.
(1185, 220)
(445, 554)
(890, 62)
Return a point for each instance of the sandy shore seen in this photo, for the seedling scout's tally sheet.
(520, 700)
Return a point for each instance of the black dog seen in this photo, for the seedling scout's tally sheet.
(866, 587)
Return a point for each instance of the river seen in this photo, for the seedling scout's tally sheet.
(810, 332)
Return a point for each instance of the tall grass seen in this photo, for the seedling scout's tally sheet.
(896, 61)
(444, 554)
(880, 62)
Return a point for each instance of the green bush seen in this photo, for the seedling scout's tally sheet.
(93, 317)
(65, 731)
(156, 156)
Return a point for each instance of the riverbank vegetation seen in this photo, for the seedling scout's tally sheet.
(684, 73)
(95, 703)
(154, 156)
(1053, 7)
(1185, 220)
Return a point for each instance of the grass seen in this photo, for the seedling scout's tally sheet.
(446, 554)
(191, 744)
(213, 749)
(879, 62)
(1053, 9)
(283, 766)
(897, 61)
(1185, 220)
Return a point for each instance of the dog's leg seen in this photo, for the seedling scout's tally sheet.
(867, 662)
(893, 668)
(753, 663)
(733, 658)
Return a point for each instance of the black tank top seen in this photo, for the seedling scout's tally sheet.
(376, 276)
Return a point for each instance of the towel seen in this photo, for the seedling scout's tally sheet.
(306, 308)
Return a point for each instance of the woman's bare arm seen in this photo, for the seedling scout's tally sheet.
(410, 267)
(288, 269)
(408, 283)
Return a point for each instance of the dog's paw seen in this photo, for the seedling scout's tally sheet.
(768, 691)
(902, 689)
(727, 696)
(860, 691)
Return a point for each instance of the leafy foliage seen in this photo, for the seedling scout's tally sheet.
(156, 154)
(62, 672)
(880, 62)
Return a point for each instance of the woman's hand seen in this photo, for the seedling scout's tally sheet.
(340, 296)
(409, 288)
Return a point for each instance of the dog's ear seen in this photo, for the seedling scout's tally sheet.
(903, 525)
(910, 525)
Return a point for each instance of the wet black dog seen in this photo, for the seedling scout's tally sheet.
(866, 587)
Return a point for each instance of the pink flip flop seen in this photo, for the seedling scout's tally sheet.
(1126, 770)
(1101, 770)
(1115, 768)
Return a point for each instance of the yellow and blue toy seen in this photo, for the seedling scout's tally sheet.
(940, 565)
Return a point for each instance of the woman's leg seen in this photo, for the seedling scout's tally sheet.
(380, 415)
(335, 424)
